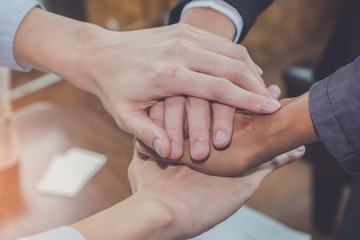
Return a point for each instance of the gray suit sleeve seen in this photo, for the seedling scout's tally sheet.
(335, 110)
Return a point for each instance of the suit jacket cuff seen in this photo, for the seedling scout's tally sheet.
(335, 110)
(248, 10)
(222, 7)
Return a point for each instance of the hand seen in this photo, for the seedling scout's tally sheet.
(131, 71)
(196, 201)
(198, 110)
(256, 138)
(174, 201)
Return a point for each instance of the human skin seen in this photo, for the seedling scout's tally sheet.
(174, 201)
(131, 71)
(198, 110)
(256, 138)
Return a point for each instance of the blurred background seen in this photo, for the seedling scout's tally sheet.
(51, 115)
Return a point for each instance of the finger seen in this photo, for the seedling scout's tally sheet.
(149, 132)
(220, 90)
(288, 157)
(198, 117)
(274, 90)
(221, 46)
(156, 114)
(241, 73)
(242, 55)
(174, 124)
(259, 70)
(223, 119)
(214, 43)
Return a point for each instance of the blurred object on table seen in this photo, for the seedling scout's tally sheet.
(8, 138)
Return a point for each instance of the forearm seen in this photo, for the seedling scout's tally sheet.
(210, 20)
(53, 43)
(137, 217)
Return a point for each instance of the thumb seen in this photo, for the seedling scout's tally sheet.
(152, 135)
(288, 157)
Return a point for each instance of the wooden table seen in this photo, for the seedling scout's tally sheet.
(49, 122)
(76, 118)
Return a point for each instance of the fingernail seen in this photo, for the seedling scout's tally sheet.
(157, 146)
(258, 69)
(174, 146)
(299, 151)
(271, 104)
(220, 136)
(274, 91)
(198, 148)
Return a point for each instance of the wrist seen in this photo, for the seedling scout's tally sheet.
(220, 25)
(292, 125)
(137, 217)
(52, 43)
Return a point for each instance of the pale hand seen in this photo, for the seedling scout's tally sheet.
(131, 71)
(198, 111)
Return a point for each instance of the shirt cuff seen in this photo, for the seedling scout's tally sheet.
(60, 233)
(11, 15)
(222, 7)
(335, 107)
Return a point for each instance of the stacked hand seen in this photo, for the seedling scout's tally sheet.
(256, 138)
(175, 201)
(131, 71)
(244, 73)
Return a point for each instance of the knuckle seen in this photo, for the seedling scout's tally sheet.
(144, 134)
(199, 133)
(291, 156)
(227, 41)
(224, 123)
(241, 66)
(221, 88)
(174, 132)
(182, 31)
(176, 47)
(157, 120)
(242, 53)
(197, 103)
(242, 50)
(237, 72)
(252, 102)
(174, 101)
(164, 72)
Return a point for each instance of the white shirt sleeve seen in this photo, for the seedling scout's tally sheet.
(62, 233)
(222, 7)
(12, 12)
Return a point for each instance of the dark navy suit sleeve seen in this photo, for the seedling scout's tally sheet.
(335, 110)
(248, 9)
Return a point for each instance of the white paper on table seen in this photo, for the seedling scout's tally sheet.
(249, 224)
(68, 173)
